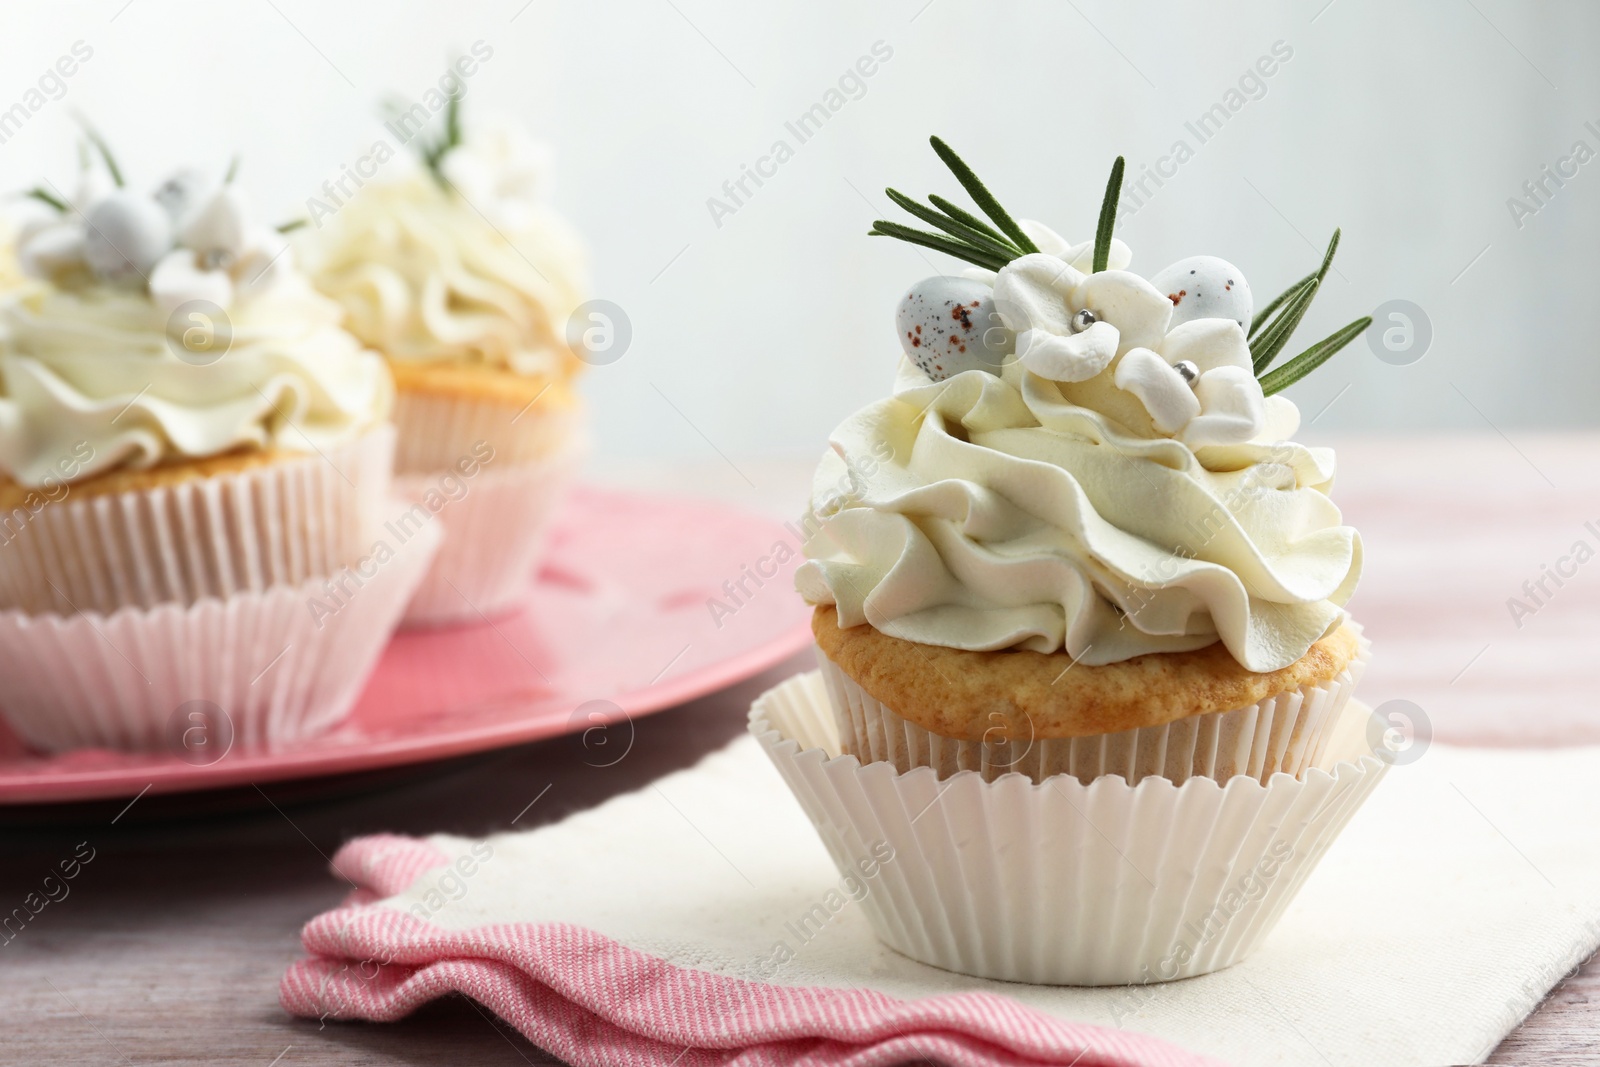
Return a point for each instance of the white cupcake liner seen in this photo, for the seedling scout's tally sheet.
(438, 429)
(494, 534)
(1063, 883)
(1287, 733)
(279, 664)
(279, 524)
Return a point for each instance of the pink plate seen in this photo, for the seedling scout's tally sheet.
(619, 623)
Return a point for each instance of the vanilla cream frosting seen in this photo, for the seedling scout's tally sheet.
(1083, 511)
(95, 367)
(10, 271)
(482, 271)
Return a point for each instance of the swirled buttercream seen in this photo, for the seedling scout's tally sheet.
(470, 273)
(988, 511)
(97, 365)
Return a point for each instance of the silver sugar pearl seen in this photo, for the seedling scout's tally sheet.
(1189, 372)
(1083, 320)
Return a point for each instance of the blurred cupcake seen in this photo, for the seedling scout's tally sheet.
(191, 447)
(463, 277)
(1076, 554)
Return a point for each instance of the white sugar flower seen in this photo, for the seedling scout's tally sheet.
(1196, 380)
(1070, 324)
(220, 253)
(1222, 405)
(499, 170)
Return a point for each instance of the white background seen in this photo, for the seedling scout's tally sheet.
(1408, 124)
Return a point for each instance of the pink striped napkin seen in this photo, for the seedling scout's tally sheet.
(595, 1002)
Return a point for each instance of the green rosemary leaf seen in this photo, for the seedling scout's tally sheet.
(1266, 345)
(433, 155)
(1320, 273)
(1313, 357)
(233, 171)
(981, 196)
(45, 197)
(939, 243)
(452, 123)
(962, 215)
(1277, 301)
(1108, 217)
(1327, 257)
(956, 229)
(105, 154)
(291, 226)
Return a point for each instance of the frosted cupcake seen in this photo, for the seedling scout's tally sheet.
(463, 277)
(1077, 553)
(191, 447)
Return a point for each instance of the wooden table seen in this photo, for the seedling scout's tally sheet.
(171, 944)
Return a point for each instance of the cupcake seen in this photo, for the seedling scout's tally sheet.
(465, 280)
(1077, 557)
(191, 449)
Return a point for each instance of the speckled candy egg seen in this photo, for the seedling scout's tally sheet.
(948, 325)
(1205, 287)
(126, 234)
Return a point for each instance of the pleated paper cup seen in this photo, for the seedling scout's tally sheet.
(264, 668)
(282, 523)
(1063, 883)
(495, 529)
(1287, 733)
(437, 429)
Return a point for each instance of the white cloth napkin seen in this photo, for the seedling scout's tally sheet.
(1467, 886)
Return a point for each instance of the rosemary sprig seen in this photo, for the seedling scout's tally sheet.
(1108, 217)
(1313, 357)
(955, 227)
(1266, 345)
(990, 245)
(1271, 328)
(981, 196)
(434, 154)
(938, 243)
(106, 157)
(1320, 273)
(44, 196)
(960, 214)
(435, 149)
